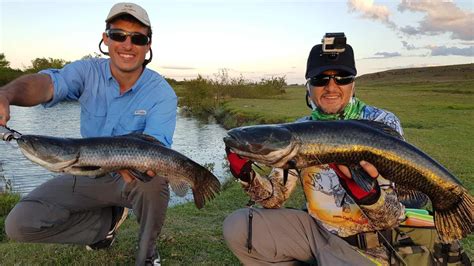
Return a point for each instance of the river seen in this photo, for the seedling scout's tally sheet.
(200, 141)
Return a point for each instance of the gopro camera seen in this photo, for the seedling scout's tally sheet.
(334, 43)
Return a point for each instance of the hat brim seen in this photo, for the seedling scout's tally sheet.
(320, 70)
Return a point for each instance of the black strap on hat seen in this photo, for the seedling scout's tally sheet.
(146, 62)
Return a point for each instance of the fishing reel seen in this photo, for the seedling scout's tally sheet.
(8, 134)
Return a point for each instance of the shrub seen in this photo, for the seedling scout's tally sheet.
(7, 202)
(206, 96)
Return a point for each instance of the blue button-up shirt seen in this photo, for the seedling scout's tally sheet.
(149, 107)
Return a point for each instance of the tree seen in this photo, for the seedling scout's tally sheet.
(7, 74)
(90, 56)
(3, 62)
(43, 63)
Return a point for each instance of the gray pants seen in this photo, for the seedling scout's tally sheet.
(286, 237)
(78, 210)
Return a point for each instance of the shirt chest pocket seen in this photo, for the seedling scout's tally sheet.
(131, 122)
(93, 118)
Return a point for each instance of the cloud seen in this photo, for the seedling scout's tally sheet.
(371, 11)
(387, 54)
(409, 46)
(410, 30)
(441, 17)
(443, 50)
(384, 55)
(178, 67)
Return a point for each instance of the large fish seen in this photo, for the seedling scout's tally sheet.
(101, 155)
(303, 144)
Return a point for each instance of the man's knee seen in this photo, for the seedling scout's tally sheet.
(16, 223)
(30, 219)
(235, 227)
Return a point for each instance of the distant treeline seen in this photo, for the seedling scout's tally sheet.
(203, 96)
(8, 74)
(200, 96)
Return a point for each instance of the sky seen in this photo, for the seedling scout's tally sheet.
(257, 39)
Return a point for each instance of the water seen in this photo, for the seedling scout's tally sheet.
(201, 142)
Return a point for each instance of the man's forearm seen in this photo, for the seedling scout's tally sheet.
(28, 90)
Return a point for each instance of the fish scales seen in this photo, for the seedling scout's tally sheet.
(303, 144)
(388, 164)
(129, 154)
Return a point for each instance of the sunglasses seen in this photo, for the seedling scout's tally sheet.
(120, 36)
(323, 80)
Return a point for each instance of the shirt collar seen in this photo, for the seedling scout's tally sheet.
(110, 78)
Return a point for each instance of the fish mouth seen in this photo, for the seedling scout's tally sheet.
(45, 154)
(261, 148)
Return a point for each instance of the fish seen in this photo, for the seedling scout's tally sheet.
(302, 144)
(136, 152)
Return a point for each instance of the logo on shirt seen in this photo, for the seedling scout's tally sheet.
(140, 112)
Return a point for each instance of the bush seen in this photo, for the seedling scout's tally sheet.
(205, 97)
(9, 74)
(7, 202)
(198, 96)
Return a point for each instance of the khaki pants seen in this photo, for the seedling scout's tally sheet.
(286, 237)
(78, 210)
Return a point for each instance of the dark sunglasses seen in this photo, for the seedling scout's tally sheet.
(323, 80)
(120, 36)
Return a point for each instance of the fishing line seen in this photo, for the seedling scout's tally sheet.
(399, 257)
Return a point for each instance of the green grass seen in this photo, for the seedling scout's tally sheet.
(437, 117)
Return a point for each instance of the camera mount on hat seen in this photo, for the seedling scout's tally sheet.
(334, 43)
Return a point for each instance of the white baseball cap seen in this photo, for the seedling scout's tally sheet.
(129, 8)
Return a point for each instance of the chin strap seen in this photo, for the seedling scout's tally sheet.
(146, 62)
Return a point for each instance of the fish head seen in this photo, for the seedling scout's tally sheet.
(55, 154)
(267, 144)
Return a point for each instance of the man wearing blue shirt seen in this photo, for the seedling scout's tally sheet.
(117, 96)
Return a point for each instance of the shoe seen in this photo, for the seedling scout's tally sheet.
(119, 214)
(154, 260)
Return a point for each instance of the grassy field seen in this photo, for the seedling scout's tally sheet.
(437, 116)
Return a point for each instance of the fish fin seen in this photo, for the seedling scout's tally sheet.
(179, 186)
(457, 221)
(362, 179)
(144, 137)
(142, 176)
(205, 187)
(382, 127)
(411, 198)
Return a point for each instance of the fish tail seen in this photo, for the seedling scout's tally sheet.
(206, 189)
(456, 222)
